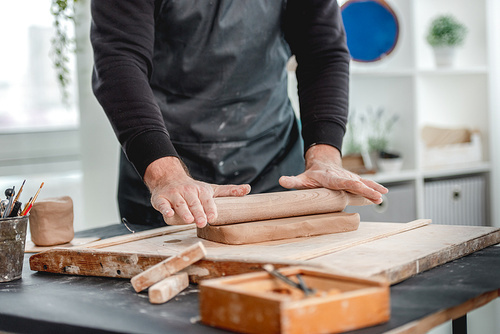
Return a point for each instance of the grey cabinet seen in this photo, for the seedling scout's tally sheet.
(456, 201)
(398, 205)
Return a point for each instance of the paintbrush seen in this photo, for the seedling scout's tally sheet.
(19, 192)
(29, 205)
(9, 214)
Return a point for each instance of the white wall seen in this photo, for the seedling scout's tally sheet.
(99, 146)
(494, 59)
(486, 320)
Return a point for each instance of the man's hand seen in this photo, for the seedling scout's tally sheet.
(324, 169)
(173, 191)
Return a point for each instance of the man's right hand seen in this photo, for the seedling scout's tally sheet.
(173, 191)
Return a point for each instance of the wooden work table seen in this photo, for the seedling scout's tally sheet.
(52, 303)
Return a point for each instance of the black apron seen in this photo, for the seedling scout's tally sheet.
(220, 80)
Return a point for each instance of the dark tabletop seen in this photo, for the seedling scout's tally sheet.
(52, 303)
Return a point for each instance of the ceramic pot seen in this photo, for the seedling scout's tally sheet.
(390, 165)
(444, 56)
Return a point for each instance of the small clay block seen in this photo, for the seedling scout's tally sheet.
(284, 228)
(51, 221)
(168, 288)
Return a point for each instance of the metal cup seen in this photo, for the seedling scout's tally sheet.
(12, 240)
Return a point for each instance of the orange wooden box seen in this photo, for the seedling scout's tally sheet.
(260, 303)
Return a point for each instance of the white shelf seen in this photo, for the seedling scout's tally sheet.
(400, 176)
(382, 72)
(414, 175)
(454, 71)
(408, 83)
(472, 168)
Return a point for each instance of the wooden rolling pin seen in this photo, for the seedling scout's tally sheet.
(232, 210)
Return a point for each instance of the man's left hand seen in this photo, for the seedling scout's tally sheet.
(324, 170)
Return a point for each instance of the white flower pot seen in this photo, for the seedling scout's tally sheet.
(444, 56)
(390, 165)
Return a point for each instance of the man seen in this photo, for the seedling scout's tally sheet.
(196, 91)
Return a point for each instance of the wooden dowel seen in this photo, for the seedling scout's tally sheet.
(232, 210)
(168, 288)
(168, 267)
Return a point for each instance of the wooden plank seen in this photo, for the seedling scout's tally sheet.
(290, 249)
(127, 260)
(401, 256)
(256, 207)
(93, 262)
(99, 262)
(396, 257)
(168, 267)
(278, 229)
(168, 288)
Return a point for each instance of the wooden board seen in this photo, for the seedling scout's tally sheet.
(290, 249)
(393, 250)
(278, 229)
(399, 257)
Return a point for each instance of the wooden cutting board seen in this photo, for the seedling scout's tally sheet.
(392, 250)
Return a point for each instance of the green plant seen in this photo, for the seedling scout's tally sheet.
(62, 45)
(445, 30)
(352, 143)
(369, 131)
(381, 124)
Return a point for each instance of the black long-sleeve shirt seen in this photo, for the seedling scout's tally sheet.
(123, 38)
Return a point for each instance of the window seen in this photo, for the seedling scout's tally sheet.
(30, 96)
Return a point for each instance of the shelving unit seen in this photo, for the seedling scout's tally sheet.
(407, 83)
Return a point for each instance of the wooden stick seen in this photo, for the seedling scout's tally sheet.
(249, 208)
(122, 239)
(168, 267)
(168, 288)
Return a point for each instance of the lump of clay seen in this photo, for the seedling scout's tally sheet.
(51, 221)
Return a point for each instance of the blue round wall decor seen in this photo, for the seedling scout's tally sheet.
(372, 29)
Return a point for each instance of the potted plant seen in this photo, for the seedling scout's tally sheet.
(368, 137)
(354, 152)
(381, 125)
(445, 34)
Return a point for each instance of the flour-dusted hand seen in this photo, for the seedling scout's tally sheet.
(173, 191)
(324, 169)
